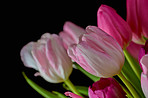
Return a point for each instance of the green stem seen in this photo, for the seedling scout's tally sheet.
(128, 85)
(132, 64)
(126, 91)
(71, 86)
(124, 88)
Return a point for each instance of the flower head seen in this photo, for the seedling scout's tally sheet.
(106, 88)
(49, 57)
(98, 53)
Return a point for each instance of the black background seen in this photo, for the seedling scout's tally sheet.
(31, 19)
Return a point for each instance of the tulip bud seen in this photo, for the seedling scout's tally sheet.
(106, 88)
(98, 53)
(109, 21)
(137, 19)
(72, 95)
(71, 34)
(49, 57)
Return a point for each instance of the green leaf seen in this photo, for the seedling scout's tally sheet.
(39, 89)
(60, 95)
(131, 77)
(82, 89)
(92, 77)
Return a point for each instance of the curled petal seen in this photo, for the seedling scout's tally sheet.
(26, 56)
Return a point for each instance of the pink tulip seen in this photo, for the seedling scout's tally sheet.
(72, 95)
(109, 21)
(71, 34)
(98, 53)
(49, 57)
(137, 19)
(106, 88)
(144, 75)
(143, 60)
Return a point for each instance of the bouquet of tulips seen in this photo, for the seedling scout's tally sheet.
(114, 54)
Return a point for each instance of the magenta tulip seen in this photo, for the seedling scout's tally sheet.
(137, 19)
(106, 88)
(49, 57)
(71, 34)
(109, 21)
(98, 53)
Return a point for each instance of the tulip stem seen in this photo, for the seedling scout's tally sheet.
(132, 64)
(71, 87)
(124, 88)
(128, 85)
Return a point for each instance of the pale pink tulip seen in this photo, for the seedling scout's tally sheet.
(137, 19)
(72, 95)
(49, 57)
(143, 60)
(109, 21)
(144, 75)
(71, 34)
(98, 53)
(106, 88)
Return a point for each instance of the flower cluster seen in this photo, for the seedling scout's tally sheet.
(114, 54)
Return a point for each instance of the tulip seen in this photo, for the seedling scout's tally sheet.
(143, 60)
(72, 95)
(106, 88)
(48, 57)
(137, 19)
(98, 53)
(110, 22)
(144, 75)
(71, 34)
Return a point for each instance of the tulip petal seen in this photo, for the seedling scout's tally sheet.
(73, 30)
(26, 56)
(114, 25)
(46, 71)
(58, 57)
(72, 95)
(144, 64)
(67, 39)
(143, 15)
(144, 84)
